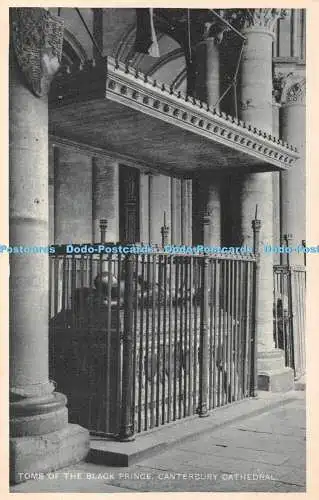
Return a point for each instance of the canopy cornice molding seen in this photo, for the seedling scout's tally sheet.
(120, 83)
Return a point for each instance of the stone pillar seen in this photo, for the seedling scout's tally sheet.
(186, 211)
(41, 439)
(206, 54)
(293, 182)
(190, 210)
(72, 196)
(209, 209)
(151, 214)
(144, 209)
(207, 89)
(276, 188)
(256, 189)
(51, 194)
(175, 211)
(105, 198)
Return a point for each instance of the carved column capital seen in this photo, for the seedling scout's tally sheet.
(254, 18)
(37, 39)
(296, 93)
(289, 88)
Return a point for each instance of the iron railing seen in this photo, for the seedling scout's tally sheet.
(289, 315)
(139, 341)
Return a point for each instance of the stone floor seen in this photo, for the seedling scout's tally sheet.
(264, 453)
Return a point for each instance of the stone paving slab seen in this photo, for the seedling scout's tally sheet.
(110, 452)
(246, 439)
(215, 453)
(248, 461)
(282, 473)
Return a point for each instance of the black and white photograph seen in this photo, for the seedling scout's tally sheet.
(157, 249)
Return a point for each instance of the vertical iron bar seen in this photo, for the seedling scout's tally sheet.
(153, 340)
(108, 339)
(175, 337)
(147, 374)
(256, 225)
(195, 328)
(292, 312)
(158, 335)
(180, 370)
(169, 363)
(215, 316)
(135, 319)
(203, 364)
(211, 322)
(141, 339)
(127, 413)
(221, 325)
(246, 328)
(225, 366)
(185, 349)
(238, 346)
(164, 342)
(191, 338)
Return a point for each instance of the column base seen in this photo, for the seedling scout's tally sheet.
(272, 374)
(34, 455)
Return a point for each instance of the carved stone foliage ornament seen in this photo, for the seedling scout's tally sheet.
(289, 88)
(37, 39)
(296, 93)
(254, 18)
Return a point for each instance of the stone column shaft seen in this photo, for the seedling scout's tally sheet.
(144, 209)
(105, 198)
(209, 196)
(207, 71)
(28, 195)
(151, 229)
(256, 189)
(293, 183)
(40, 438)
(190, 211)
(175, 211)
(73, 196)
(185, 220)
(276, 190)
(207, 89)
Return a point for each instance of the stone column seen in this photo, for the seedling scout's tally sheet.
(206, 54)
(51, 194)
(151, 215)
(190, 210)
(186, 211)
(72, 196)
(40, 437)
(293, 182)
(207, 88)
(175, 211)
(144, 209)
(209, 209)
(105, 198)
(256, 188)
(276, 188)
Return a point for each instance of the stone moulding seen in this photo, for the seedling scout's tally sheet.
(115, 81)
